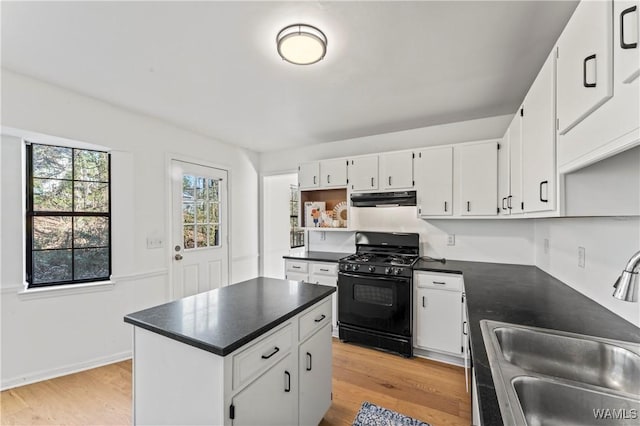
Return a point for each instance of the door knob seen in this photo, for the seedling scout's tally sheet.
(178, 256)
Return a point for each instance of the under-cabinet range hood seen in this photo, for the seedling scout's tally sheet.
(384, 199)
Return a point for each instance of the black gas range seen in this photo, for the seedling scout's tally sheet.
(375, 291)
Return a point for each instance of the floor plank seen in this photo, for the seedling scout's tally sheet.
(427, 390)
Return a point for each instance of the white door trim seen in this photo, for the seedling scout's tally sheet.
(169, 157)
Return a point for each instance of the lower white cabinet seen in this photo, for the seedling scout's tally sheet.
(315, 377)
(439, 313)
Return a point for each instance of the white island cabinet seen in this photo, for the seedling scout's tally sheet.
(254, 353)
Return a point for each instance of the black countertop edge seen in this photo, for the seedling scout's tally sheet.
(225, 350)
(525, 295)
(319, 256)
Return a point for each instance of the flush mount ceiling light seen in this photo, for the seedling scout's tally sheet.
(301, 44)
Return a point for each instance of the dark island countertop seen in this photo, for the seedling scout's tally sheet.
(222, 320)
(524, 295)
(318, 256)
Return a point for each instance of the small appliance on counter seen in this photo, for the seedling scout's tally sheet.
(375, 291)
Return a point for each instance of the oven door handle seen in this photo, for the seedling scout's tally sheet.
(375, 278)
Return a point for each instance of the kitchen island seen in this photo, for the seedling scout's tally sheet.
(256, 352)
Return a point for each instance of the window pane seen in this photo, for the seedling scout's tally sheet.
(201, 232)
(51, 161)
(91, 232)
(91, 197)
(91, 165)
(91, 263)
(51, 195)
(51, 266)
(51, 232)
(212, 184)
(188, 212)
(214, 237)
(201, 190)
(201, 212)
(188, 185)
(213, 213)
(189, 237)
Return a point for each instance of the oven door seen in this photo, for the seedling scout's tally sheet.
(378, 303)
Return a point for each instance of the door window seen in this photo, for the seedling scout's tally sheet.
(200, 212)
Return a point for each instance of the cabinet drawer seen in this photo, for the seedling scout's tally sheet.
(260, 356)
(324, 269)
(452, 282)
(295, 266)
(317, 317)
(323, 280)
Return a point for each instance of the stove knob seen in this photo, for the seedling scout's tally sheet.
(388, 270)
(372, 268)
(397, 271)
(355, 267)
(346, 267)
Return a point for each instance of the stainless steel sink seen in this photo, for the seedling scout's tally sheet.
(549, 377)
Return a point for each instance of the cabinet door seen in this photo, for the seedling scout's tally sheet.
(585, 63)
(333, 282)
(269, 400)
(363, 173)
(433, 170)
(626, 39)
(315, 377)
(504, 189)
(478, 175)
(539, 142)
(514, 201)
(308, 175)
(333, 173)
(396, 170)
(439, 320)
(296, 276)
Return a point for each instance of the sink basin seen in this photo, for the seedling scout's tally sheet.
(589, 361)
(549, 377)
(547, 402)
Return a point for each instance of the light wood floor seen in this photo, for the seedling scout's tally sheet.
(427, 390)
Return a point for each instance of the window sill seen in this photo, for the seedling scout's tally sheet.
(63, 290)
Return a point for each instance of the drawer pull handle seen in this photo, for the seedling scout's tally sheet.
(439, 282)
(296, 267)
(309, 360)
(287, 381)
(272, 353)
(584, 71)
(324, 270)
(622, 42)
(320, 318)
(423, 302)
(544, 200)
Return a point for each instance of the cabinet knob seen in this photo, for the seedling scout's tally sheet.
(178, 256)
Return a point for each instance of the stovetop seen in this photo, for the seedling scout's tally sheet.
(381, 259)
(379, 264)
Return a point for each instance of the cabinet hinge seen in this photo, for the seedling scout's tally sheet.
(347, 180)
(498, 146)
(232, 411)
(498, 209)
(522, 205)
(522, 112)
(413, 155)
(413, 183)
(461, 349)
(347, 162)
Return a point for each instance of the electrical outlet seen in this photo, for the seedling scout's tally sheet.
(154, 243)
(546, 246)
(451, 240)
(581, 257)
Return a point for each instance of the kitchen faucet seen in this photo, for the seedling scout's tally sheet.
(626, 286)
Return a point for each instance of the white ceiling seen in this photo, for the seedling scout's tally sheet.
(212, 67)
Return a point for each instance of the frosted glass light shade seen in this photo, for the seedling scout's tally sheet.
(301, 44)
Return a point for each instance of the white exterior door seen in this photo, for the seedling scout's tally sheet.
(199, 229)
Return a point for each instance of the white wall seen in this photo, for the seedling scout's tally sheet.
(609, 242)
(48, 336)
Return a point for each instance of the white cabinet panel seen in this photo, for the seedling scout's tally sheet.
(478, 178)
(271, 399)
(363, 173)
(333, 173)
(296, 276)
(439, 320)
(433, 170)
(308, 175)
(315, 377)
(396, 170)
(626, 40)
(585, 63)
(539, 142)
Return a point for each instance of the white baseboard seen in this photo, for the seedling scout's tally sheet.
(39, 376)
(440, 357)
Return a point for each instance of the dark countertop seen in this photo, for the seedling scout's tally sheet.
(524, 295)
(320, 256)
(222, 320)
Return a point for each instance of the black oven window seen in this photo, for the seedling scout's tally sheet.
(373, 295)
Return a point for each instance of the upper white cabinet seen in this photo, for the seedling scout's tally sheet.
(626, 23)
(433, 172)
(477, 172)
(585, 63)
(396, 170)
(308, 175)
(539, 142)
(322, 174)
(363, 173)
